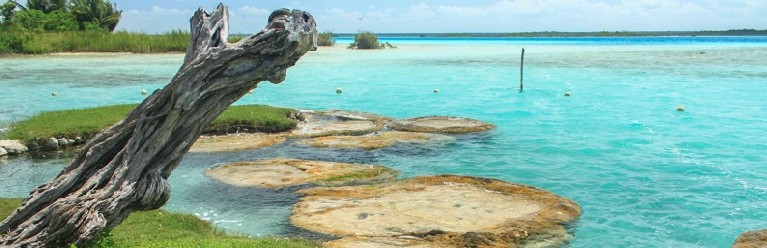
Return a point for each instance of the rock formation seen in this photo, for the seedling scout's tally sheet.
(376, 140)
(440, 124)
(125, 167)
(751, 239)
(13, 147)
(236, 142)
(282, 172)
(437, 211)
(337, 122)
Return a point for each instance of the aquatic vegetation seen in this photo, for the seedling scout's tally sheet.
(160, 228)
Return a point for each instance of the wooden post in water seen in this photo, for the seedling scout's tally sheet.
(521, 71)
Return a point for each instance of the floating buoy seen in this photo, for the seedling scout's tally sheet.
(436, 90)
(339, 91)
(54, 94)
(144, 92)
(680, 108)
(567, 93)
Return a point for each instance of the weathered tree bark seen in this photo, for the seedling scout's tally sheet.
(125, 168)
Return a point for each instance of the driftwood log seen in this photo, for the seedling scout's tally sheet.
(125, 168)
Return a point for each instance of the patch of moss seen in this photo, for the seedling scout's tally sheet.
(358, 175)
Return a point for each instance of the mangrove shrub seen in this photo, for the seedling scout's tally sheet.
(326, 39)
(368, 40)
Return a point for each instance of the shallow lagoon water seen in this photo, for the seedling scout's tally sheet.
(644, 174)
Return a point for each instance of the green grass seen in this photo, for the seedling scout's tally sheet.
(7, 206)
(260, 118)
(87, 122)
(159, 228)
(68, 123)
(95, 41)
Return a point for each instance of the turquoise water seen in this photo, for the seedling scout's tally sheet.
(644, 174)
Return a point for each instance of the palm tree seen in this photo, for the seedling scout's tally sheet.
(102, 13)
(46, 6)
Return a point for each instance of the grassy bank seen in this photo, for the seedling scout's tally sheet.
(160, 228)
(87, 122)
(95, 41)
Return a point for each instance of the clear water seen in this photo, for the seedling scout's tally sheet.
(644, 174)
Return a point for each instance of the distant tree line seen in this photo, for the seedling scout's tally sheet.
(59, 15)
(731, 32)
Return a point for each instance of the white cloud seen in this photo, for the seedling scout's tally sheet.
(172, 11)
(252, 11)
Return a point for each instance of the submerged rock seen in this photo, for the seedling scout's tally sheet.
(283, 172)
(338, 122)
(375, 141)
(440, 124)
(437, 211)
(236, 142)
(751, 239)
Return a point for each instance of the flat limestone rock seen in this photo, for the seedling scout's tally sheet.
(236, 142)
(338, 122)
(751, 239)
(375, 141)
(440, 124)
(443, 211)
(380, 242)
(13, 147)
(284, 172)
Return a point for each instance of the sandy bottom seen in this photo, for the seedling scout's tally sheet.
(282, 172)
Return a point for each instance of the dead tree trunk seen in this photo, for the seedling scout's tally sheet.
(125, 168)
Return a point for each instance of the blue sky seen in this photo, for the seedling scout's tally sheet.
(408, 16)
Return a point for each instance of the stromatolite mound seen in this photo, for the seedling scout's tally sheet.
(283, 172)
(381, 242)
(751, 239)
(375, 141)
(338, 122)
(236, 142)
(440, 124)
(437, 211)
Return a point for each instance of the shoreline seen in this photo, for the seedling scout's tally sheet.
(415, 39)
